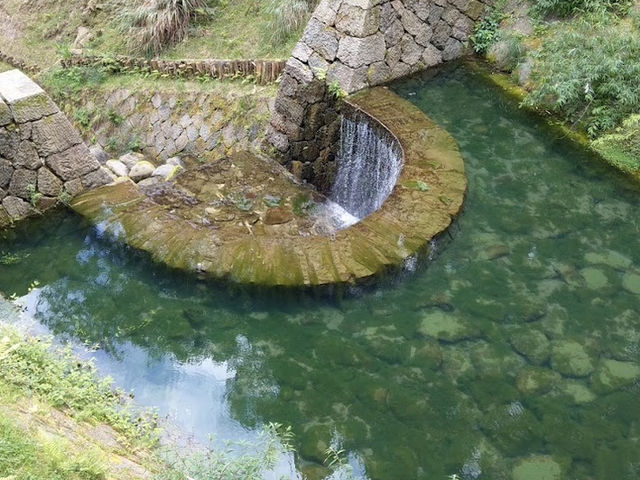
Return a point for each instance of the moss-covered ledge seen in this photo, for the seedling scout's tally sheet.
(429, 194)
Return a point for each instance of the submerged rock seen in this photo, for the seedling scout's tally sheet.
(533, 344)
(578, 391)
(445, 327)
(631, 282)
(594, 278)
(612, 375)
(540, 467)
(570, 359)
(536, 380)
(610, 258)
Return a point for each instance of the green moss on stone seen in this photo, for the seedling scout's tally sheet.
(540, 467)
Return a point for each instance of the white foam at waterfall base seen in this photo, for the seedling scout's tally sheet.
(369, 164)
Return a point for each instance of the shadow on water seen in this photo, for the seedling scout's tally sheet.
(520, 338)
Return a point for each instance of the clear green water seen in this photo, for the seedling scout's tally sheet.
(521, 337)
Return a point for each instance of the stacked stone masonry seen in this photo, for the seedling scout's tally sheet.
(42, 157)
(349, 45)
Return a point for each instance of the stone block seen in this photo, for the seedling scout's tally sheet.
(98, 152)
(441, 35)
(6, 172)
(378, 73)
(394, 33)
(27, 156)
(3, 193)
(72, 163)
(25, 130)
(411, 23)
(279, 140)
(388, 15)
(451, 15)
(117, 167)
(16, 86)
(302, 52)
(48, 183)
(325, 14)
(318, 64)
(73, 187)
(420, 8)
(9, 141)
(291, 108)
(298, 71)
(453, 49)
(283, 125)
(356, 52)
(33, 108)
(321, 39)
(5, 114)
(358, 22)
(411, 51)
(431, 56)
(97, 178)
(475, 9)
(349, 79)
(23, 183)
(5, 219)
(435, 13)
(16, 207)
(54, 134)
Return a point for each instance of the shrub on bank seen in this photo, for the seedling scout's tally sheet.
(587, 71)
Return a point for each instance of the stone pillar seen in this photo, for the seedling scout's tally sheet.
(42, 157)
(349, 45)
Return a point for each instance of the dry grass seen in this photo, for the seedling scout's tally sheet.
(156, 24)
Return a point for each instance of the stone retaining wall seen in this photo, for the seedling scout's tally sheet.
(166, 123)
(42, 157)
(350, 45)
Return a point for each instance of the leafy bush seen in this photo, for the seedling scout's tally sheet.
(565, 8)
(487, 30)
(157, 24)
(622, 148)
(287, 17)
(589, 73)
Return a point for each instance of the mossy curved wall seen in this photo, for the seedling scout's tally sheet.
(429, 194)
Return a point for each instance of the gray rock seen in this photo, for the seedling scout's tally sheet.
(98, 152)
(302, 52)
(325, 13)
(141, 170)
(156, 100)
(117, 167)
(411, 51)
(83, 37)
(23, 183)
(431, 56)
(148, 182)
(321, 39)
(175, 161)
(205, 132)
(6, 172)
(440, 36)
(356, 52)
(16, 207)
(349, 79)
(358, 21)
(48, 183)
(131, 158)
(298, 71)
(411, 23)
(182, 141)
(453, 49)
(54, 134)
(33, 108)
(72, 163)
(378, 73)
(73, 187)
(97, 178)
(3, 193)
(25, 130)
(192, 133)
(27, 156)
(5, 114)
(394, 33)
(9, 141)
(166, 171)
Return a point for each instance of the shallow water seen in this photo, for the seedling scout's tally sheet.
(521, 337)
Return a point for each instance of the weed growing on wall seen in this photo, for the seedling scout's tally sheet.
(487, 30)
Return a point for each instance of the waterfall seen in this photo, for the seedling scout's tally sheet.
(369, 163)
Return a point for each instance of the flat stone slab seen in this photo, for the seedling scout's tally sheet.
(16, 86)
(241, 243)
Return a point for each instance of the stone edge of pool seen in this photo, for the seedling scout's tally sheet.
(429, 194)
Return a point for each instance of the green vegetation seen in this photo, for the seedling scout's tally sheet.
(588, 73)
(287, 17)
(151, 26)
(579, 61)
(565, 8)
(486, 31)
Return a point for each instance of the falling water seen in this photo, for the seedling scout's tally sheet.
(369, 163)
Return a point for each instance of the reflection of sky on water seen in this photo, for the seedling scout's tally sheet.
(191, 396)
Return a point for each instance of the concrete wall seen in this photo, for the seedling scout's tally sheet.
(355, 44)
(42, 157)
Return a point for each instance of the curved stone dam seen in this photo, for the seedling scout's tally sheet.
(400, 173)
